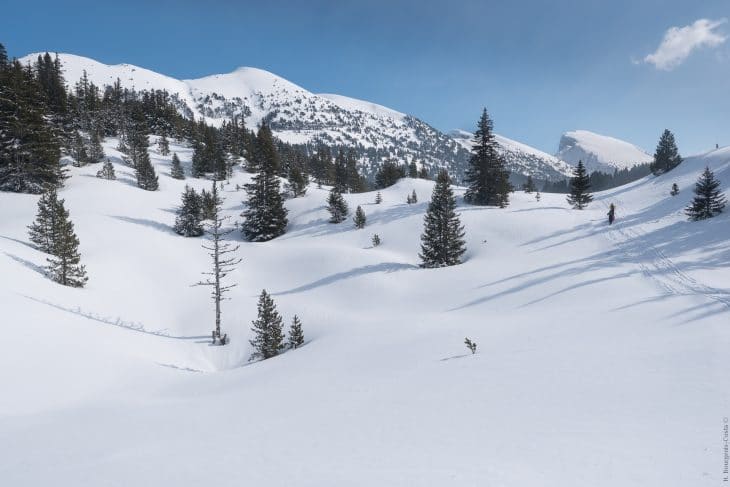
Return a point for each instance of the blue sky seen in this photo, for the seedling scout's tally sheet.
(540, 67)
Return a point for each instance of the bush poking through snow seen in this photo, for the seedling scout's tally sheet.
(378, 198)
(675, 189)
(470, 345)
(376, 240)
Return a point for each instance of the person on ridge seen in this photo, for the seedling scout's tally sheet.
(611, 214)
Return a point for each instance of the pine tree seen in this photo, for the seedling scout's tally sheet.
(537, 196)
(487, 177)
(106, 171)
(388, 174)
(163, 145)
(64, 265)
(146, 176)
(580, 183)
(414, 197)
(222, 263)
(423, 173)
(78, 150)
(442, 241)
(95, 151)
(413, 169)
(666, 156)
(45, 226)
(375, 240)
(337, 206)
(177, 170)
(296, 334)
(268, 338)
(709, 200)
(359, 218)
(297, 182)
(529, 186)
(29, 144)
(675, 189)
(188, 222)
(378, 198)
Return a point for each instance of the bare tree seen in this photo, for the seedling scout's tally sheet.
(223, 263)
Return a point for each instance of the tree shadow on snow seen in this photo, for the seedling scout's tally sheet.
(386, 267)
(144, 222)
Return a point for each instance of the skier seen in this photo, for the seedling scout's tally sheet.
(611, 214)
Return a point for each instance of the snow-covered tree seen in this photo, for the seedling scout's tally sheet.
(268, 338)
(296, 334)
(375, 240)
(163, 145)
(45, 226)
(378, 198)
(666, 156)
(487, 178)
(709, 200)
(360, 219)
(442, 241)
(297, 182)
(675, 190)
(337, 206)
(146, 176)
(64, 265)
(176, 171)
(265, 214)
(188, 221)
(580, 184)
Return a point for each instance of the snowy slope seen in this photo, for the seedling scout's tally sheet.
(296, 115)
(599, 152)
(602, 352)
(521, 158)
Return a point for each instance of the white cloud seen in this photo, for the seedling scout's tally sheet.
(679, 42)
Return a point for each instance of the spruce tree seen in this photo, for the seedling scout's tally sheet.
(442, 241)
(223, 262)
(188, 222)
(675, 190)
(176, 170)
(414, 197)
(95, 151)
(666, 156)
(375, 240)
(487, 178)
(208, 204)
(163, 145)
(146, 176)
(378, 198)
(45, 226)
(30, 148)
(413, 169)
(265, 214)
(268, 338)
(337, 206)
(296, 334)
(709, 200)
(64, 264)
(359, 218)
(106, 171)
(529, 186)
(297, 182)
(580, 183)
(78, 150)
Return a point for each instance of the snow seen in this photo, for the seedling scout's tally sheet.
(599, 152)
(363, 106)
(601, 360)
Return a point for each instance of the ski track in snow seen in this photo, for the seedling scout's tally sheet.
(656, 265)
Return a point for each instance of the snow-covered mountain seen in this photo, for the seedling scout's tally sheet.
(521, 158)
(295, 114)
(599, 152)
(298, 116)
